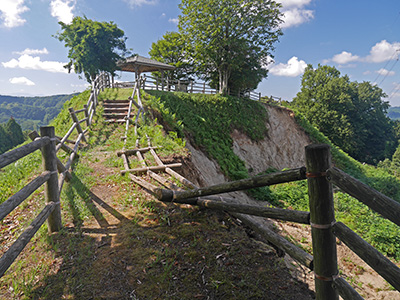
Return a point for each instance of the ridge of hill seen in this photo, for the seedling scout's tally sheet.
(120, 243)
(394, 112)
(32, 112)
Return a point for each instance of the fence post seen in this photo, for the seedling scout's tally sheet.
(78, 126)
(49, 159)
(322, 217)
(86, 115)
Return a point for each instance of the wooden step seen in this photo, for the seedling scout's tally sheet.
(116, 110)
(116, 105)
(116, 101)
(114, 116)
(116, 121)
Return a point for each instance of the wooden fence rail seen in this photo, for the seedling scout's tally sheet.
(324, 228)
(188, 86)
(52, 165)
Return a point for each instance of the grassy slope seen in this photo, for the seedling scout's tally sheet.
(120, 243)
(204, 119)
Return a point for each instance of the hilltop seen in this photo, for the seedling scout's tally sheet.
(120, 243)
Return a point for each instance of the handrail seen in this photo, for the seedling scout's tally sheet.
(18, 153)
(47, 144)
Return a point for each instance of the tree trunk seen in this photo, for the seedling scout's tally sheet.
(224, 74)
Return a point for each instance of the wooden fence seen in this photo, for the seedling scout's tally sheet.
(324, 229)
(188, 86)
(54, 174)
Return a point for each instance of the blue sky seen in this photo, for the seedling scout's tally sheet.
(359, 37)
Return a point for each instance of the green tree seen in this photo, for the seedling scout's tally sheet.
(221, 35)
(5, 143)
(93, 46)
(351, 114)
(14, 132)
(171, 50)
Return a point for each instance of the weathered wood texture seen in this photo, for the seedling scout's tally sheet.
(295, 252)
(16, 154)
(11, 203)
(76, 121)
(322, 215)
(345, 290)
(133, 151)
(152, 168)
(60, 167)
(52, 194)
(243, 184)
(369, 254)
(8, 258)
(377, 201)
(255, 210)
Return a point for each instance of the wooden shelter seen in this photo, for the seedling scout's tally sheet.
(140, 64)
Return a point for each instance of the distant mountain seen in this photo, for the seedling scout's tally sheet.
(31, 112)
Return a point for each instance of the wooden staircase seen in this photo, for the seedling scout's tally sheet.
(115, 111)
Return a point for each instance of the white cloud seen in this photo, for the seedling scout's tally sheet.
(295, 17)
(293, 68)
(296, 3)
(385, 72)
(344, 58)
(383, 51)
(32, 51)
(11, 11)
(174, 21)
(22, 81)
(62, 10)
(34, 63)
(137, 3)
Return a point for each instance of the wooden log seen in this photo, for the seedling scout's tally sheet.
(345, 290)
(16, 154)
(83, 120)
(80, 110)
(11, 203)
(322, 215)
(152, 168)
(62, 146)
(66, 136)
(243, 184)
(255, 210)
(60, 167)
(295, 252)
(76, 121)
(144, 184)
(9, 257)
(377, 201)
(52, 194)
(382, 265)
(180, 178)
(133, 151)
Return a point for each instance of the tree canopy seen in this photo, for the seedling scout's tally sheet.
(353, 115)
(10, 135)
(226, 37)
(171, 50)
(93, 46)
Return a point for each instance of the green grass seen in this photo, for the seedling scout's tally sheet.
(208, 121)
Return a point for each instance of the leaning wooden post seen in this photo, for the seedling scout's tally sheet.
(86, 115)
(322, 217)
(76, 121)
(51, 190)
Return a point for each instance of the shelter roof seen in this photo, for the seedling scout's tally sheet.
(142, 64)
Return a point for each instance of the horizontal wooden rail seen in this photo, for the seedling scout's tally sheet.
(243, 184)
(80, 110)
(152, 168)
(302, 217)
(345, 290)
(382, 265)
(274, 238)
(380, 203)
(9, 257)
(18, 153)
(11, 203)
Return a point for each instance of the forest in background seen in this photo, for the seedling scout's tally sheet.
(31, 112)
